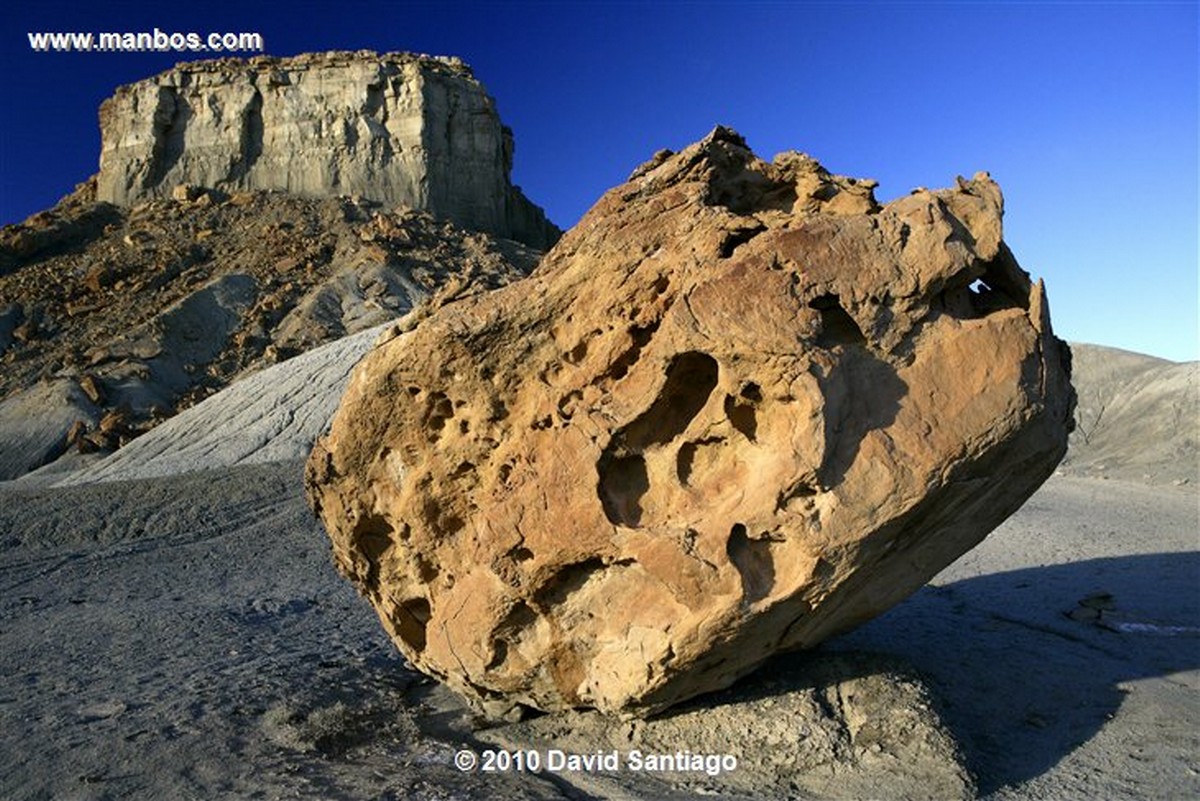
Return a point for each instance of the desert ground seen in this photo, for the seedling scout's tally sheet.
(171, 626)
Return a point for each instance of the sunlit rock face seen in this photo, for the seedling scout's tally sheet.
(399, 129)
(739, 408)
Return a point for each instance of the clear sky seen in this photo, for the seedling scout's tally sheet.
(1086, 113)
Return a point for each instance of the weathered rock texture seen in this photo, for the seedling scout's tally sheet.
(739, 408)
(398, 128)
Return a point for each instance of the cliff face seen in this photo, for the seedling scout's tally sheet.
(398, 128)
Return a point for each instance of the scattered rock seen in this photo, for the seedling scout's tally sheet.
(162, 328)
(739, 408)
(92, 388)
(186, 193)
(77, 436)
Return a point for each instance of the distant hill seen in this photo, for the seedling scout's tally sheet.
(1138, 416)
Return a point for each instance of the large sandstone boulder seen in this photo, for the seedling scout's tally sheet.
(739, 408)
(397, 128)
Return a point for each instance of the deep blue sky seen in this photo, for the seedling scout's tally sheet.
(1086, 113)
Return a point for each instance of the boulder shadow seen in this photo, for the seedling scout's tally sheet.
(1029, 665)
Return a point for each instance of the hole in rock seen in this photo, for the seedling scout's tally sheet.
(577, 353)
(499, 654)
(744, 191)
(684, 460)
(752, 393)
(837, 326)
(441, 521)
(623, 482)
(509, 631)
(427, 571)
(522, 554)
(372, 536)
(1002, 286)
(735, 239)
(411, 619)
(753, 561)
(641, 336)
(997, 289)
(568, 581)
(438, 411)
(702, 455)
(741, 416)
(691, 378)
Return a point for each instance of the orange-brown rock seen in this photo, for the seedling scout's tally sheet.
(739, 408)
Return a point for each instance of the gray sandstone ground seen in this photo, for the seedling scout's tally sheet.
(186, 636)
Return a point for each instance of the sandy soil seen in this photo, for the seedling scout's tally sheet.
(187, 637)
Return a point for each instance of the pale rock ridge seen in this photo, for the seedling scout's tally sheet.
(739, 408)
(397, 128)
(1137, 417)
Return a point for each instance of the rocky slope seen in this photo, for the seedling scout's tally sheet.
(112, 319)
(1138, 417)
(397, 128)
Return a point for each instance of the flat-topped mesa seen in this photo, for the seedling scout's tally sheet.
(397, 128)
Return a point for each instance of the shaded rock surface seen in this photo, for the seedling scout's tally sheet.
(172, 300)
(739, 408)
(34, 425)
(397, 128)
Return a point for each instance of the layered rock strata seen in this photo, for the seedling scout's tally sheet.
(739, 408)
(399, 129)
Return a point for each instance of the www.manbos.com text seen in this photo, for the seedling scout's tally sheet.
(156, 41)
